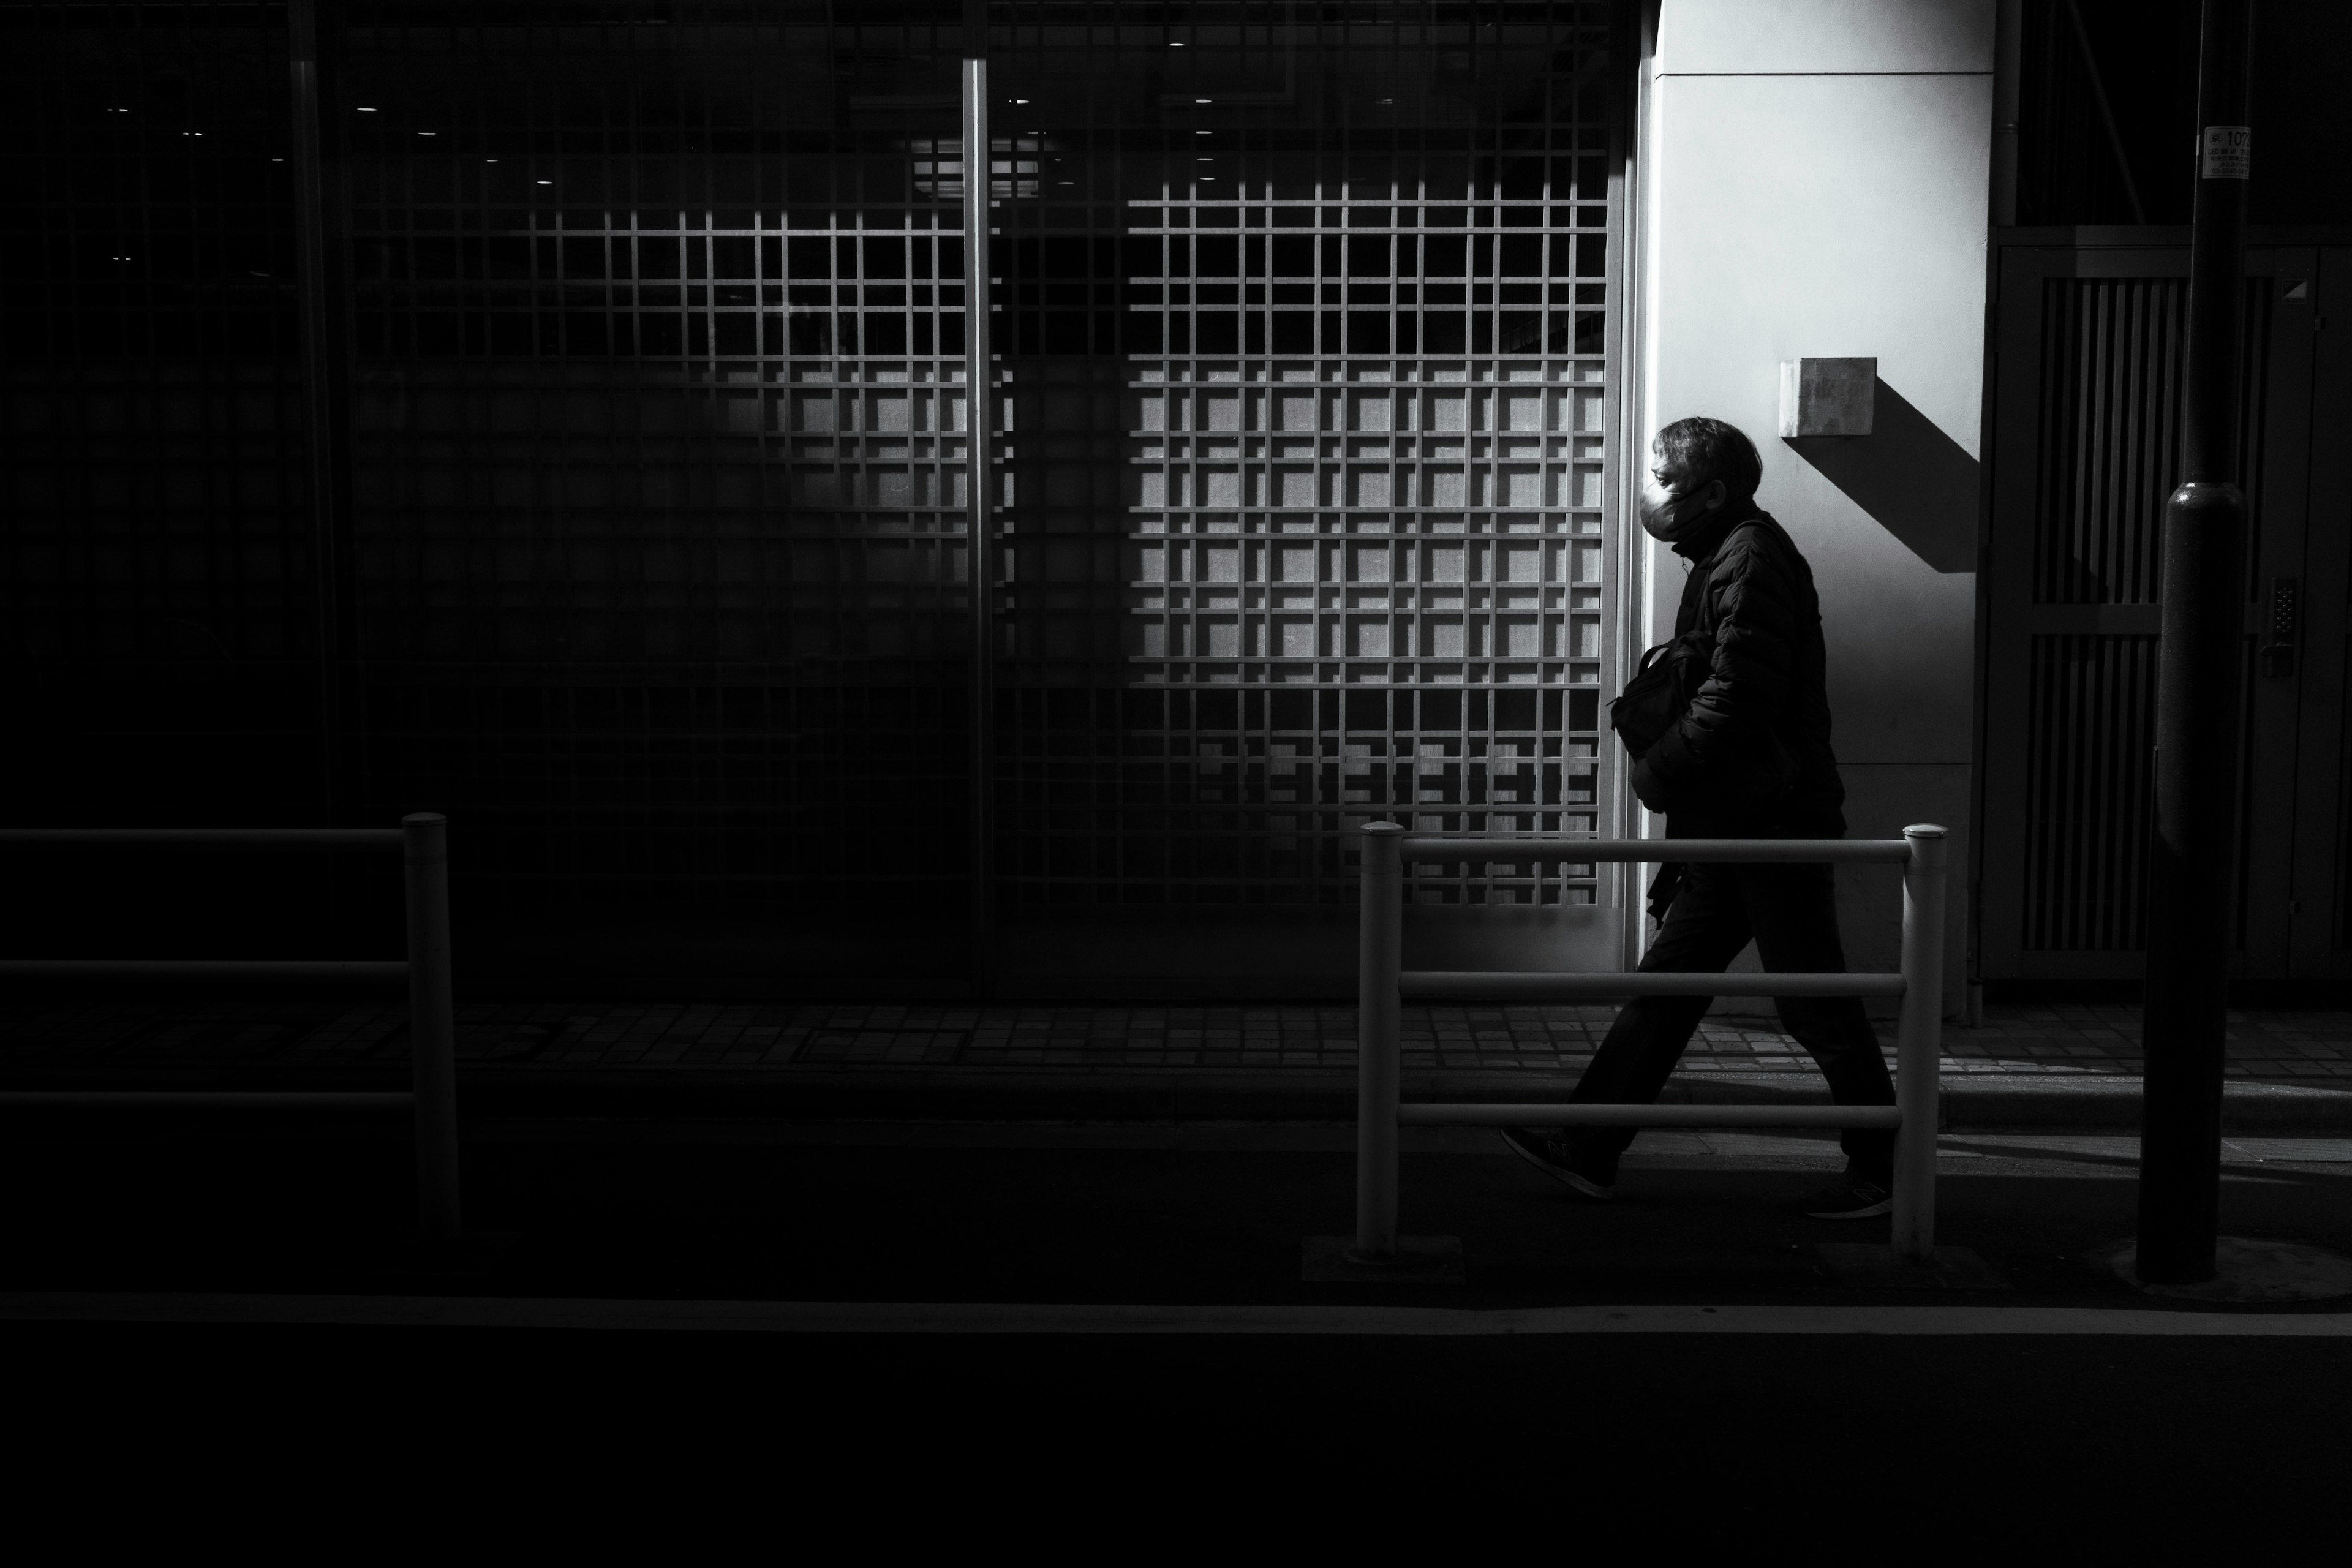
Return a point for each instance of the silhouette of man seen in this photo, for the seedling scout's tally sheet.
(1748, 757)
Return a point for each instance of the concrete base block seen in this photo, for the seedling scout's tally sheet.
(1875, 1266)
(2250, 1270)
(1419, 1260)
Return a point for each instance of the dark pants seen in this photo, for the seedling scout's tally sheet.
(1791, 913)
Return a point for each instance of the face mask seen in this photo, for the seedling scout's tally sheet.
(1667, 518)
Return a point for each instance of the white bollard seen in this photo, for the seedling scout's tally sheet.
(1918, 1045)
(432, 1025)
(1379, 959)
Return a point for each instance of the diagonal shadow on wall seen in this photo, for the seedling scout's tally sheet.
(1917, 482)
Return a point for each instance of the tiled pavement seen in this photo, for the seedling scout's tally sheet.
(188, 1040)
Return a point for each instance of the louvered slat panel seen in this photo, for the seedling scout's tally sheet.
(2113, 357)
(2093, 701)
(2113, 351)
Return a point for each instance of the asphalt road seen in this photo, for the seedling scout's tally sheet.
(2005, 1439)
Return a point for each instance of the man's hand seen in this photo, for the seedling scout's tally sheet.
(1647, 787)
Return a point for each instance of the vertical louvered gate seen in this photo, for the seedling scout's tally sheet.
(2089, 349)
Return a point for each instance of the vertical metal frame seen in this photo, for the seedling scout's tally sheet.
(1633, 34)
(980, 496)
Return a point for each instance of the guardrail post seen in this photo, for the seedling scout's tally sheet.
(1380, 961)
(432, 1024)
(1918, 1045)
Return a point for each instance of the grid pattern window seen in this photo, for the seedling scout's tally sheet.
(1304, 314)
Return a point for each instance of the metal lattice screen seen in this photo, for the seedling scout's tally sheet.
(1308, 373)
(1303, 400)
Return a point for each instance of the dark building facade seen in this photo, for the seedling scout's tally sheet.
(1316, 348)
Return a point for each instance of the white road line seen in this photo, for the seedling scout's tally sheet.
(1017, 1318)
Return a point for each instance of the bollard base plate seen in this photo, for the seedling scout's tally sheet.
(1873, 1265)
(1419, 1260)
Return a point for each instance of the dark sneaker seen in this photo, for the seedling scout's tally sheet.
(1850, 1197)
(1553, 1158)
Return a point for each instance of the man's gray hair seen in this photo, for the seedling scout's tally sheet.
(1702, 450)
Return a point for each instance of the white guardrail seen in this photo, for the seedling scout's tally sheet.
(1383, 984)
(423, 839)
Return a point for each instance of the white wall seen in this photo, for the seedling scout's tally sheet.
(1814, 183)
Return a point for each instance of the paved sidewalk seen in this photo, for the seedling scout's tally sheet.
(2034, 1066)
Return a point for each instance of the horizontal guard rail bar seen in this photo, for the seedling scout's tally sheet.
(204, 968)
(209, 1098)
(1425, 1115)
(1651, 851)
(1534, 985)
(200, 837)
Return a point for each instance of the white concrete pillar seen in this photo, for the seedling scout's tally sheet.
(1813, 182)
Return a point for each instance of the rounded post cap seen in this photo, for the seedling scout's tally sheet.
(1925, 830)
(1382, 828)
(423, 818)
(2202, 495)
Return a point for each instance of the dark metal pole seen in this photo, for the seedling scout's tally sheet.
(980, 486)
(324, 270)
(2199, 678)
(2007, 88)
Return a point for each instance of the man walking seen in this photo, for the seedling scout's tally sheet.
(1748, 757)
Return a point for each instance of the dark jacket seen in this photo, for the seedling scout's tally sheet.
(1750, 756)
